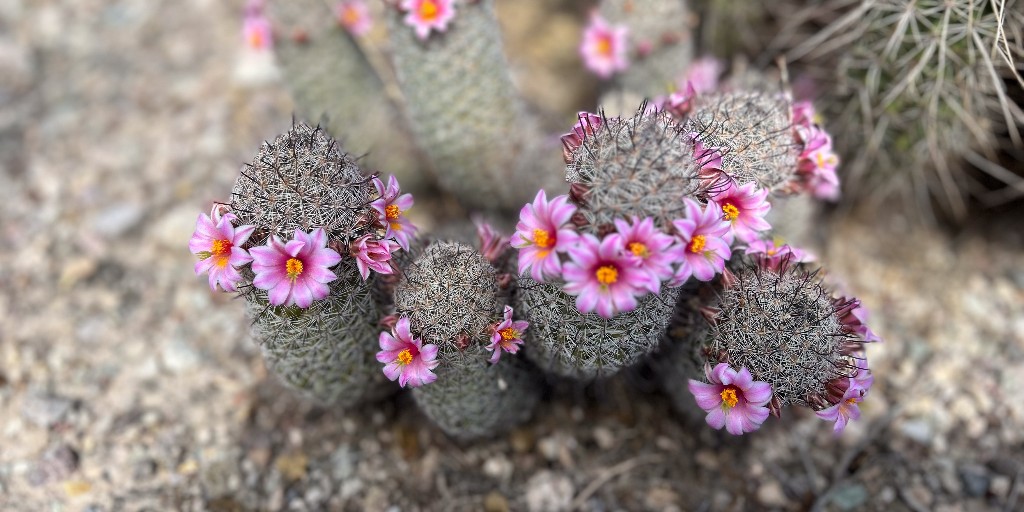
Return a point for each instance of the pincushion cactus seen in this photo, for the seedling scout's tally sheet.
(312, 227)
(659, 40)
(464, 110)
(332, 80)
(452, 300)
(775, 319)
(753, 132)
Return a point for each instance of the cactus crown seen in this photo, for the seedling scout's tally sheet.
(782, 323)
(637, 167)
(303, 180)
(753, 131)
(451, 295)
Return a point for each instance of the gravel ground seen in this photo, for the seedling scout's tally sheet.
(126, 385)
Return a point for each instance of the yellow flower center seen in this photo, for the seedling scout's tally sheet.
(825, 158)
(256, 39)
(730, 211)
(509, 334)
(607, 274)
(729, 397)
(349, 15)
(542, 238)
(391, 212)
(428, 10)
(405, 357)
(294, 267)
(639, 249)
(604, 46)
(698, 243)
(220, 247)
(852, 400)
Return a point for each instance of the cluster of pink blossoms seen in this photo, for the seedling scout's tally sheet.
(818, 162)
(297, 272)
(426, 15)
(604, 47)
(608, 275)
(410, 361)
(732, 399)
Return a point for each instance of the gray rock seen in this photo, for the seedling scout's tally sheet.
(117, 220)
(179, 356)
(850, 497)
(976, 480)
(918, 429)
(55, 465)
(547, 491)
(45, 410)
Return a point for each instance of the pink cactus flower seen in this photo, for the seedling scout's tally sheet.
(804, 116)
(492, 243)
(373, 254)
(705, 239)
(218, 244)
(774, 252)
(603, 278)
(681, 102)
(354, 15)
(732, 399)
(817, 164)
(702, 76)
(391, 207)
(406, 358)
(744, 208)
(863, 378)
(588, 124)
(542, 233)
(508, 336)
(651, 250)
(604, 47)
(257, 32)
(856, 320)
(846, 409)
(296, 272)
(427, 15)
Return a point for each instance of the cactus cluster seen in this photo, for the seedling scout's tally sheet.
(646, 241)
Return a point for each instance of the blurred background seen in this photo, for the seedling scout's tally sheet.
(125, 384)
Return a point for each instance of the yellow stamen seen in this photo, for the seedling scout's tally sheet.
(428, 10)
(220, 247)
(731, 212)
(294, 267)
(698, 243)
(607, 274)
(395, 226)
(404, 357)
(391, 212)
(509, 334)
(729, 397)
(349, 15)
(542, 238)
(852, 400)
(639, 249)
(256, 39)
(604, 46)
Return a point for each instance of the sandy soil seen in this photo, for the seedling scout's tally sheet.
(126, 385)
